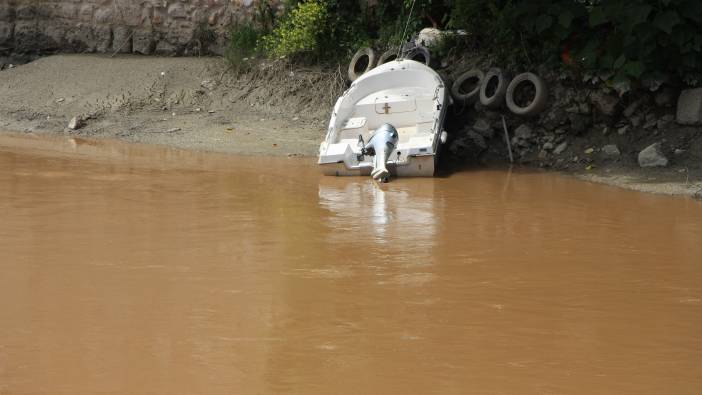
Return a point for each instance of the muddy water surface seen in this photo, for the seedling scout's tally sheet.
(126, 269)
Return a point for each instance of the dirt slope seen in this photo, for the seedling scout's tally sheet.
(185, 102)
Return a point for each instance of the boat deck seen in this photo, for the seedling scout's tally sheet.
(410, 110)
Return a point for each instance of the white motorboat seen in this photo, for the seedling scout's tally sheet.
(398, 108)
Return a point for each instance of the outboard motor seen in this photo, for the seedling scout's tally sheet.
(380, 145)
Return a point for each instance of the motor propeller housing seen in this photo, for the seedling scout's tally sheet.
(381, 144)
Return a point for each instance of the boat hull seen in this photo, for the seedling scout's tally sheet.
(405, 94)
(418, 166)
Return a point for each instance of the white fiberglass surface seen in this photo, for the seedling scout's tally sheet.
(402, 93)
(403, 108)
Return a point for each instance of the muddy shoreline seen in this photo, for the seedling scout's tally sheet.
(276, 110)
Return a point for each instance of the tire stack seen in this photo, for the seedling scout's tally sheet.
(362, 62)
(365, 59)
(495, 89)
(492, 89)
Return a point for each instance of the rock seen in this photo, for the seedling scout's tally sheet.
(560, 148)
(631, 108)
(605, 131)
(662, 124)
(556, 117)
(177, 11)
(517, 142)
(457, 146)
(6, 30)
(523, 132)
(690, 107)
(103, 38)
(547, 146)
(623, 130)
(611, 150)
(75, 123)
(85, 12)
(165, 48)
(604, 103)
(573, 109)
(579, 123)
(650, 123)
(665, 97)
(477, 140)
(209, 84)
(121, 39)
(429, 37)
(589, 151)
(483, 127)
(469, 146)
(679, 151)
(584, 108)
(143, 42)
(26, 35)
(104, 15)
(129, 13)
(81, 39)
(653, 156)
(635, 121)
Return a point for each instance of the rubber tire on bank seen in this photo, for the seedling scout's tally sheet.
(418, 52)
(363, 52)
(498, 97)
(468, 97)
(540, 97)
(388, 56)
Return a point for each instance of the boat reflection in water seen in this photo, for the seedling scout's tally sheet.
(382, 213)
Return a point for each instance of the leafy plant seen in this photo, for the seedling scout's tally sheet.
(299, 31)
(242, 44)
(622, 42)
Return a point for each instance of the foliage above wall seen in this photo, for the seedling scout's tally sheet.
(624, 43)
(621, 42)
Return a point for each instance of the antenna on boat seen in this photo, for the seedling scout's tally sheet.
(404, 32)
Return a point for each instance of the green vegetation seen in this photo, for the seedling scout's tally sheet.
(242, 44)
(300, 31)
(621, 42)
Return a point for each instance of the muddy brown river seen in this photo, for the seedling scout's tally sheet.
(137, 270)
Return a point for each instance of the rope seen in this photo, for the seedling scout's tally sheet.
(404, 33)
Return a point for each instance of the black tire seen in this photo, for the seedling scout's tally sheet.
(537, 104)
(362, 62)
(497, 79)
(420, 54)
(388, 56)
(471, 96)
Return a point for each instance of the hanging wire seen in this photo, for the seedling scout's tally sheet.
(404, 33)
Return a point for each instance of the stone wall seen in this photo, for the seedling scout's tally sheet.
(164, 27)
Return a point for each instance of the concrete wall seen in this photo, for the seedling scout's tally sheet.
(166, 27)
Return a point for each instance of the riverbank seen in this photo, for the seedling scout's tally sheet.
(280, 110)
